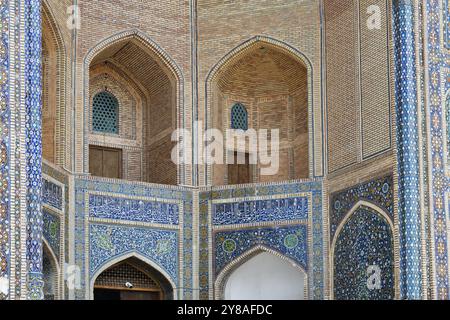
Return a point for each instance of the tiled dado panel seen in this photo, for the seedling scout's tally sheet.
(284, 219)
(115, 219)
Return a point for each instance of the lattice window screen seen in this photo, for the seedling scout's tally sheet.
(239, 117)
(105, 113)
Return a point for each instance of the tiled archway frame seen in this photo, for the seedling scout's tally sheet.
(148, 44)
(59, 276)
(123, 257)
(62, 148)
(395, 245)
(224, 275)
(238, 52)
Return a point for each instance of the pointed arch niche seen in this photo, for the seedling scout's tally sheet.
(363, 246)
(273, 82)
(148, 87)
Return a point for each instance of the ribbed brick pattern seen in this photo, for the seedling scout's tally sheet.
(342, 101)
(375, 87)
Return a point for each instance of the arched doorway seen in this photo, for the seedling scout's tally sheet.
(50, 274)
(262, 84)
(132, 279)
(265, 276)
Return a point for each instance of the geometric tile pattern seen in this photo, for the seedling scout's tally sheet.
(108, 207)
(260, 211)
(407, 150)
(365, 240)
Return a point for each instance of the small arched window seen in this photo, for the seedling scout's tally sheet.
(239, 117)
(105, 113)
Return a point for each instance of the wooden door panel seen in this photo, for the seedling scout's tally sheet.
(96, 161)
(111, 163)
(239, 173)
(105, 162)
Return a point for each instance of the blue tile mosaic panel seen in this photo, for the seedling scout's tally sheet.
(260, 211)
(290, 241)
(365, 241)
(108, 242)
(52, 231)
(108, 207)
(52, 194)
(379, 192)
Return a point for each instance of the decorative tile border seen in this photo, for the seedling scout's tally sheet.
(137, 209)
(253, 210)
(437, 61)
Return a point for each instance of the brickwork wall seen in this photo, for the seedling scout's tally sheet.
(358, 84)
(225, 25)
(166, 23)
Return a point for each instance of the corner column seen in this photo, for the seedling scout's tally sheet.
(20, 150)
(406, 107)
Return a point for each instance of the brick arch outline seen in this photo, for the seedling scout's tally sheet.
(235, 54)
(148, 44)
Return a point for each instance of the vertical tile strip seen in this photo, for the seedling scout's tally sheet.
(407, 144)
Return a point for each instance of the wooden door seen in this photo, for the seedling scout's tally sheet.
(105, 162)
(239, 173)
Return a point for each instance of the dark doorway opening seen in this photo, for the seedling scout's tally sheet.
(132, 279)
